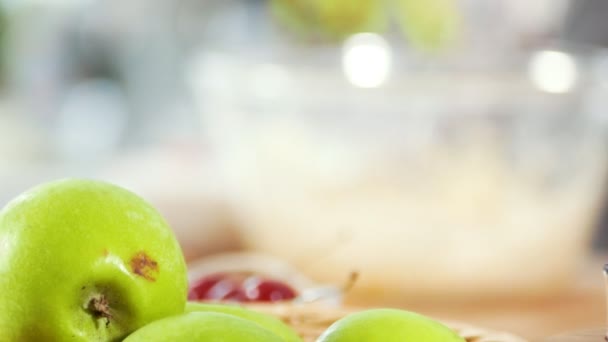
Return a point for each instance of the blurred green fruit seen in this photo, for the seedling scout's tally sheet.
(269, 322)
(388, 325)
(331, 19)
(203, 327)
(430, 24)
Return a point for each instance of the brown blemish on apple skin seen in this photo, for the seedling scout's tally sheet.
(105, 252)
(144, 266)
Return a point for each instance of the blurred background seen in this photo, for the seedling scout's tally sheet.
(453, 152)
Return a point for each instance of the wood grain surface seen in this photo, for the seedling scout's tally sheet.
(580, 308)
(589, 335)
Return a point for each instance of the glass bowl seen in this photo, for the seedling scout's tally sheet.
(469, 175)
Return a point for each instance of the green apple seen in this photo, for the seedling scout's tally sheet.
(341, 18)
(331, 19)
(267, 321)
(83, 260)
(388, 325)
(430, 25)
(203, 327)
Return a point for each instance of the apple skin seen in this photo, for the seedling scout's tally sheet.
(388, 325)
(84, 260)
(266, 321)
(203, 327)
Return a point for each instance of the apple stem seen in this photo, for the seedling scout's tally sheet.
(100, 307)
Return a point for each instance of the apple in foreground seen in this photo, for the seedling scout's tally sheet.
(203, 327)
(84, 260)
(266, 321)
(388, 325)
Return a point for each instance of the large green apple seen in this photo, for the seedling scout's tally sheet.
(84, 260)
(266, 321)
(388, 325)
(203, 327)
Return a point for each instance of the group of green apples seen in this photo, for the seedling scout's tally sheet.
(428, 25)
(84, 260)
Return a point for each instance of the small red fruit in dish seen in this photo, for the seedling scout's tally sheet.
(268, 290)
(214, 286)
(240, 287)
